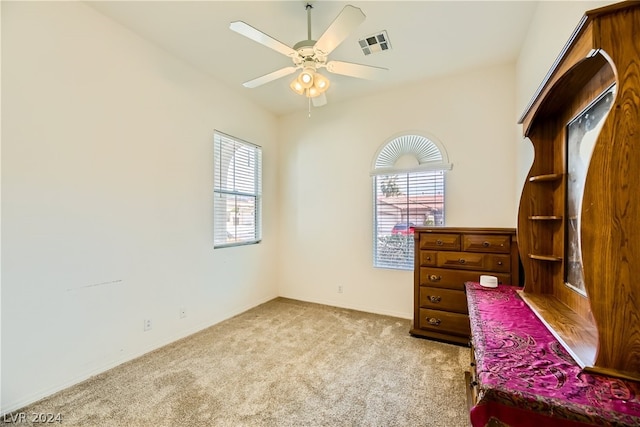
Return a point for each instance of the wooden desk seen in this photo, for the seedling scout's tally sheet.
(522, 376)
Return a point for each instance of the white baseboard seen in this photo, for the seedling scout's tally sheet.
(350, 306)
(41, 394)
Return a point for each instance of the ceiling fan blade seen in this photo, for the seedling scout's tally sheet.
(340, 28)
(356, 70)
(256, 35)
(269, 77)
(319, 100)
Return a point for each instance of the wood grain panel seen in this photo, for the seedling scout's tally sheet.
(578, 338)
(443, 299)
(442, 269)
(427, 258)
(440, 241)
(486, 243)
(438, 320)
(602, 329)
(474, 261)
(455, 279)
(610, 225)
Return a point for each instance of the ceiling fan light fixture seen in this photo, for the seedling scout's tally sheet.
(297, 87)
(318, 84)
(321, 83)
(306, 77)
(310, 55)
(312, 92)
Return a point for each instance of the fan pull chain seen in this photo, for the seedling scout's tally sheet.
(309, 99)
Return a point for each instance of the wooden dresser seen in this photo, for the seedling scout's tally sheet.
(446, 258)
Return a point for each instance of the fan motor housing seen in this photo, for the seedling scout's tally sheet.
(305, 47)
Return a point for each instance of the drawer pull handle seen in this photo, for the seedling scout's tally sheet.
(486, 244)
(428, 258)
(435, 278)
(434, 298)
(462, 261)
(433, 321)
(499, 262)
(439, 242)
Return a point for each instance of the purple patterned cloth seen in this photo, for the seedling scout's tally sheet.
(523, 371)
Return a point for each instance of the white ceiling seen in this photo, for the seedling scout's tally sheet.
(428, 38)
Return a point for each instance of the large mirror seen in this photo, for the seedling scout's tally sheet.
(582, 133)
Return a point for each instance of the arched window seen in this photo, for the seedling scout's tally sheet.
(408, 187)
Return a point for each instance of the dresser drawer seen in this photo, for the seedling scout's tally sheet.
(455, 279)
(474, 261)
(443, 299)
(440, 241)
(428, 258)
(443, 321)
(486, 243)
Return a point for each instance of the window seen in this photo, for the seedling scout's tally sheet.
(408, 188)
(237, 191)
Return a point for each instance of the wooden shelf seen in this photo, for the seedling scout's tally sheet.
(546, 177)
(578, 337)
(605, 233)
(545, 257)
(545, 217)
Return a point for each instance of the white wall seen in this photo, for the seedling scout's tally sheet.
(107, 147)
(106, 188)
(549, 31)
(327, 214)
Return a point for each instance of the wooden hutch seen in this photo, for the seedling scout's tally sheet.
(579, 216)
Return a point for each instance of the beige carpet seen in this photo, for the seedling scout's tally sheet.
(284, 363)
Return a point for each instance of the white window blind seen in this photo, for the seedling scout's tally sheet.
(237, 191)
(408, 182)
(405, 201)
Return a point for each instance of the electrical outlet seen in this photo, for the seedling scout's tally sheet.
(339, 289)
(147, 324)
(183, 312)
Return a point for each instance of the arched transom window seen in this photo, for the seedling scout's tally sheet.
(408, 186)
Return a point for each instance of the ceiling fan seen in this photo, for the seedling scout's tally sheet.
(311, 55)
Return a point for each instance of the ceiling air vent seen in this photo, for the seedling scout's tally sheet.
(375, 43)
